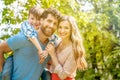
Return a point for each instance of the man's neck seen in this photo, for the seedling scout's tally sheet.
(42, 37)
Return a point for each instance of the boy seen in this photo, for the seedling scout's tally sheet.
(29, 27)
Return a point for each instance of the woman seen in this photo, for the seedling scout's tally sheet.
(69, 55)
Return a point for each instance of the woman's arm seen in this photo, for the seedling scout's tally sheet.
(51, 50)
(68, 68)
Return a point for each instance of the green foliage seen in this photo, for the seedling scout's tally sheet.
(5, 16)
(96, 26)
(8, 2)
(112, 63)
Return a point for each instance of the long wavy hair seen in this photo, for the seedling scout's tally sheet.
(77, 43)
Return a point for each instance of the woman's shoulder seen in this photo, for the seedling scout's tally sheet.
(69, 50)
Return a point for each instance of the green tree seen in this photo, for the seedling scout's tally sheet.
(99, 27)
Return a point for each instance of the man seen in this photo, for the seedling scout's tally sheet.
(26, 62)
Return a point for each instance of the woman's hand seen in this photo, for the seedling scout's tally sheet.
(51, 49)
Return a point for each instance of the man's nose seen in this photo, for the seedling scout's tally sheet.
(51, 25)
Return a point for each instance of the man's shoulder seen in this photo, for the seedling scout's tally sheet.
(18, 36)
(18, 41)
(25, 21)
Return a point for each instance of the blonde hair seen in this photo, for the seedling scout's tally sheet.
(36, 11)
(77, 43)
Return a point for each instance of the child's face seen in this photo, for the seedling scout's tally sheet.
(33, 21)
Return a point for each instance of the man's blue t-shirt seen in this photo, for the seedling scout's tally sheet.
(26, 60)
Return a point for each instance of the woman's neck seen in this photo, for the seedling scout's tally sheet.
(66, 42)
(63, 44)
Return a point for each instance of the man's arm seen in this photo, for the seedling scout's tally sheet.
(3, 48)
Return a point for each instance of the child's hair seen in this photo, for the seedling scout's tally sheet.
(36, 11)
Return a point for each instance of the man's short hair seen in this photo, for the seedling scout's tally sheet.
(54, 12)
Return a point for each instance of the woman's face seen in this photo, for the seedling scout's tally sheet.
(64, 30)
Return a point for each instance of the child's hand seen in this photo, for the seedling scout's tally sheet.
(39, 54)
(43, 56)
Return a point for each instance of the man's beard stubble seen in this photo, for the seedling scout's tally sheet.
(45, 32)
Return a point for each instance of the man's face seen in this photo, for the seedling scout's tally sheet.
(49, 25)
(33, 21)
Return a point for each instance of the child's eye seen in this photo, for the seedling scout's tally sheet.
(32, 18)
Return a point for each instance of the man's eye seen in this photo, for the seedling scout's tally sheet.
(32, 18)
(49, 21)
(55, 24)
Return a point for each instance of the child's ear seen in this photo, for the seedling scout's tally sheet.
(41, 20)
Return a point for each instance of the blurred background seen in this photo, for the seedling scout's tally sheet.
(99, 24)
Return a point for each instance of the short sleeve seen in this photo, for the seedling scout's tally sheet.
(17, 41)
(28, 30)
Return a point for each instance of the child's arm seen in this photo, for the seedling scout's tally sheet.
(31, 34)
(55, 40)
(36, 43)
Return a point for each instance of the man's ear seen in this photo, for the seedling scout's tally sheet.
(41, 21)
